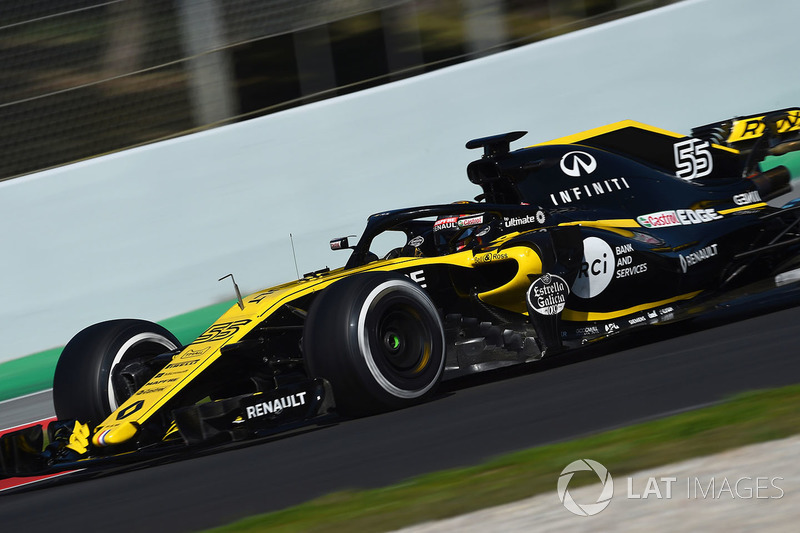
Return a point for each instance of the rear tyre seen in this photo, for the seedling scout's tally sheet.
(378, 339)
(84, 387)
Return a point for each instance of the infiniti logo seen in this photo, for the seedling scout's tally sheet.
(576, 163)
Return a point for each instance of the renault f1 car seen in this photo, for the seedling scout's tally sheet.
(570, 242)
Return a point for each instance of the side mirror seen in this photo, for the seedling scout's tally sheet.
(342, 243)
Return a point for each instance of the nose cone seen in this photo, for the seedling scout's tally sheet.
(117, 435)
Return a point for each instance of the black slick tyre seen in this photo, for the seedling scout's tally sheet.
(378, 339)
(83, 384)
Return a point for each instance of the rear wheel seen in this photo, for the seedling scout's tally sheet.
(378, 339)
(84, 385)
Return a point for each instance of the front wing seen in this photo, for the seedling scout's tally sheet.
(65, 445)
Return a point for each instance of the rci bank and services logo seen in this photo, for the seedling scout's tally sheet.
(585, 509)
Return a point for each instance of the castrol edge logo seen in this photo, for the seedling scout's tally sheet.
(678, 217)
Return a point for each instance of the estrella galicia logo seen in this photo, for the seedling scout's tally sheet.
(576, 163)
(548, 294)
(586, 509)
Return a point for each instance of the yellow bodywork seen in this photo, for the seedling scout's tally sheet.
(511, 295)
(750, 128)
(79, 439)
(123, 424)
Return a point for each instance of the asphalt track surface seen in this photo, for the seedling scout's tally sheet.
(31, 407)
(471, 420)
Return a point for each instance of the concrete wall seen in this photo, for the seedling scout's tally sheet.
(147, 232)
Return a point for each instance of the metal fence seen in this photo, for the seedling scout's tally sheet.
(80, 78)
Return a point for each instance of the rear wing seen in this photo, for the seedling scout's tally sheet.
(744, 133)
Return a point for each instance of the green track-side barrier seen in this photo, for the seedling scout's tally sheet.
(34, 373)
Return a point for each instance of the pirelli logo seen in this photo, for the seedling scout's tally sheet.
(745, 129)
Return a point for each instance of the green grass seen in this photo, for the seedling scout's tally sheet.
(745, 419)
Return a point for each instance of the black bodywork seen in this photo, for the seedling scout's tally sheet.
(569, 242)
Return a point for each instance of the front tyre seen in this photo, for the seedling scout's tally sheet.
(378, 339)
(84, 385)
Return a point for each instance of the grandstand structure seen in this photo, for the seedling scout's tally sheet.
(82, 78)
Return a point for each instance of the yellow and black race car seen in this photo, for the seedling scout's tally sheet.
(569, 242)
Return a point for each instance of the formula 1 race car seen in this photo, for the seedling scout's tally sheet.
(570, 242)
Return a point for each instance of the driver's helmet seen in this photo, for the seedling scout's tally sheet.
(454, 233)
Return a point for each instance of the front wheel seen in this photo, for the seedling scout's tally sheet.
(84, 384)
(378, 339)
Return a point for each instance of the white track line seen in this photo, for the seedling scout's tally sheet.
(12, 428)
(26, 396)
